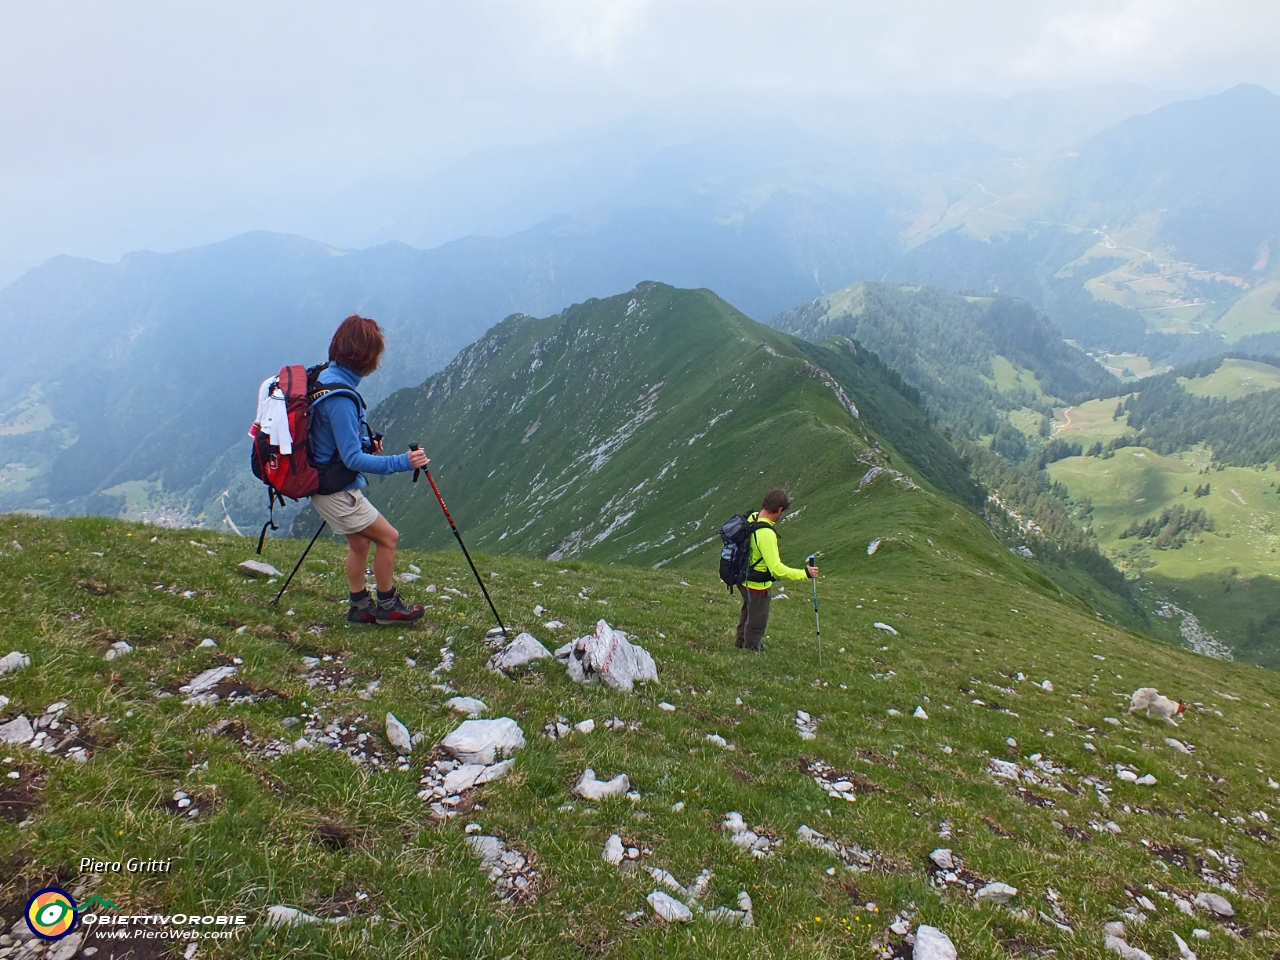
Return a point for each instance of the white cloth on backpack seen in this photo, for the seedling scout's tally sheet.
(273, 416)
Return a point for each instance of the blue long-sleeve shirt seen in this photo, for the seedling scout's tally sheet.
(334, 429)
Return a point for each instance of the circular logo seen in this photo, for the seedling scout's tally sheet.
(51, 913)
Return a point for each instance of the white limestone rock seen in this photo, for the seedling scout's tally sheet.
(1218, 905)
(117, 650)
(996, 892)
(1126, 952)
(17, 731)
(669, 908)
(13, 661)
(282, 916)
(613, 852)
(255, 569)
(608, 656)
(482, 741)
(467, 705)
(589, 788)
(932, 944)
(398, 736)
(523, 649)
(885, 627)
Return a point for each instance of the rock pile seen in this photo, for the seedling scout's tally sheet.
(758, 842)
(947, 869)
(475, 754)
(806, 726)
(352, 737)
(512, 875)
(838, 786)
(607, 656)
(852, 855)
(49, 734)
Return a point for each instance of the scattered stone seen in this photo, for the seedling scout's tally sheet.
(885, 627)
(482, 741)
(586, 726)
(1219, 906)
(589, 788)
(467, 705)
(756, 842)
(932, 944)
(609, 656)
(208, 643)
(254, 569)
(669, 908)
(1114, 928)
(854, 857)
(398, 736)
(720, 741)
(666, 706)
(1046, 685)
(996, 892)
(1147, 780)
(613, 851)
(13, 661)
(1200, 933)
(408, 577)
(512, 875)
(553, 625)
(742, 917)
(117, 650)
(919, 713)
(281, 916)
(1179, 745)
(943, 859)
(523, 649)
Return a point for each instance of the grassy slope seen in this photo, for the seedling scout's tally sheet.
(1230, 577)
(1235, 379)
(969, 619)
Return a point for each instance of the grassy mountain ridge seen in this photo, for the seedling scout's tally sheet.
(630, 428)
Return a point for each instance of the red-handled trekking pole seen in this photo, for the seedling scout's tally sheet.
(454, 527)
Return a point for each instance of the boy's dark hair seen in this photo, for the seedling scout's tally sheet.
(357, 344)
(776, 499)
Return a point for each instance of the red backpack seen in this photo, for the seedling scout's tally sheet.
(295, 474)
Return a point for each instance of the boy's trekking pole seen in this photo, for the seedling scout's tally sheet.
(817, 628)
(299, 563)
(454, 527)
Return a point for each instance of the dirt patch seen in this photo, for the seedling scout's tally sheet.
(1078, 834)
(871, 756)
(19, 798)
(1035, 799)
(1177, 856)
(334, 834)
(996, 827)
(190, 805)
(742, 776)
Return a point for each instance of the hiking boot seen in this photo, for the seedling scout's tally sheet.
(395, 610)
(362, 611)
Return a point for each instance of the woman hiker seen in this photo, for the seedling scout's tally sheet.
(340, 437)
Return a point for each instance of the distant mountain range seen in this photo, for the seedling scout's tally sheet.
(137, 388)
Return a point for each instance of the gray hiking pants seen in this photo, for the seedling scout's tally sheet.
(754, 618)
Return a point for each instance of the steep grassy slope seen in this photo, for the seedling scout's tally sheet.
(630, 428)
(314, 830)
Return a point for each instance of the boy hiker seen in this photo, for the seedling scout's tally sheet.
(765, 565)
(341, 440)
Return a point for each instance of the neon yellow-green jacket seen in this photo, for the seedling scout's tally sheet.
(764, 557)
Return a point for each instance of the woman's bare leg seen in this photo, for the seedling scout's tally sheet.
(384, 559)
(357, 560)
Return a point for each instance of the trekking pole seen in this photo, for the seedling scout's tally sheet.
(454, 527)
(299, 563)
(817, 628)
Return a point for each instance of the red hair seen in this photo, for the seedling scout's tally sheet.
(357, 344)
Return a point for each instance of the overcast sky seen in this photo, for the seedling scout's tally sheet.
(135, 124)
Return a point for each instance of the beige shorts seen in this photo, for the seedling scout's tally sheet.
(346, 512)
